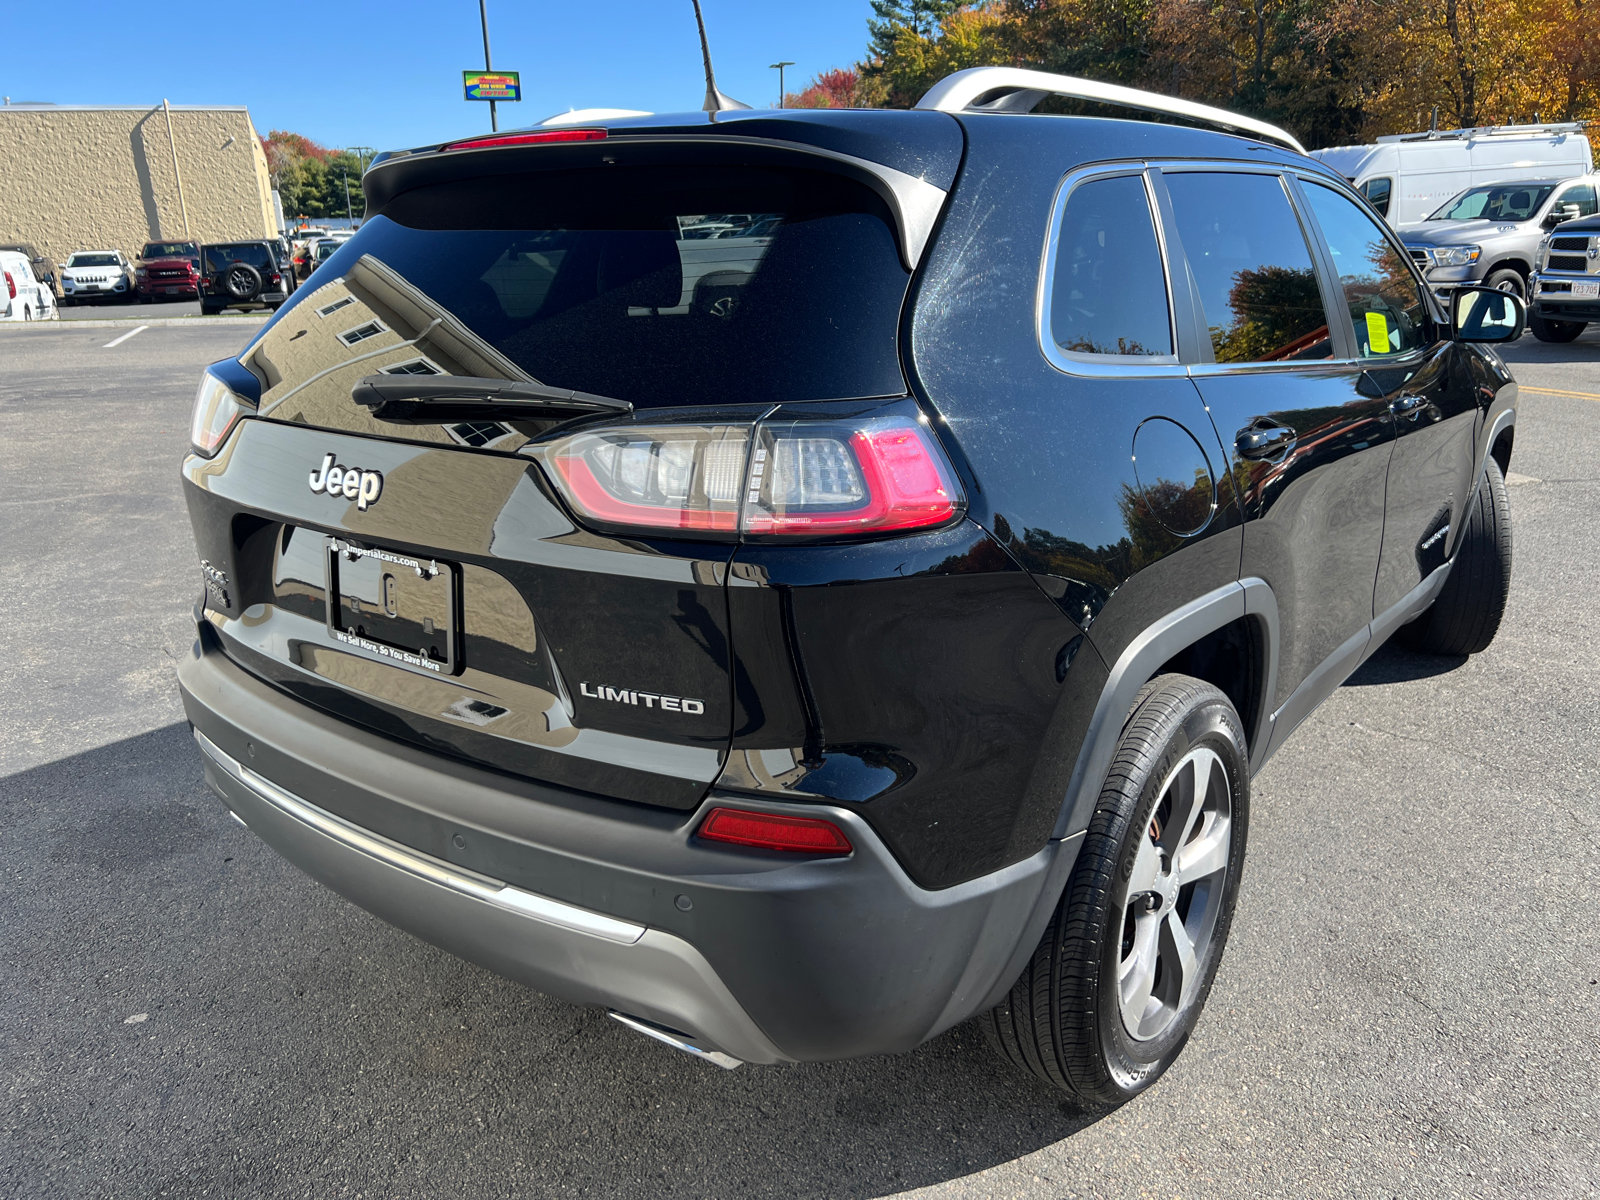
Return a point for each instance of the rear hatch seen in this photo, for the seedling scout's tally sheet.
(419, 571)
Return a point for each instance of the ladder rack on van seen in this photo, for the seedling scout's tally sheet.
(1477, 131)
(1017, 90)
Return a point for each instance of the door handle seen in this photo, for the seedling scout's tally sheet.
(1409, 405)
(1264, 444)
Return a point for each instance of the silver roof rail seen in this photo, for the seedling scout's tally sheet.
(1015, 89)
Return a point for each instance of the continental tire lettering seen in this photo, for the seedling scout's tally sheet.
(616, 695)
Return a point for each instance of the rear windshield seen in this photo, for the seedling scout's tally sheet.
(657, 285)
(218, 257)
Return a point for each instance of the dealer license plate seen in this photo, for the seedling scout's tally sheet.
(392, 605)
(1591, 290)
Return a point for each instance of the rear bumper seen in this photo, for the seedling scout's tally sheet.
(773, 959)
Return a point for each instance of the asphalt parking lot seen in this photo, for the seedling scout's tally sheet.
(1409, 1003)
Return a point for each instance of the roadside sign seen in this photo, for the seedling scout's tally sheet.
(492, 85)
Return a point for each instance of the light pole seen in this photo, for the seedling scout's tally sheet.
(778, 67)
(483, 13)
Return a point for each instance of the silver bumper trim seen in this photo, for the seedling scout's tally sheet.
(479, 887)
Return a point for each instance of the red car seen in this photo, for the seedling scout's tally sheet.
(167, 270)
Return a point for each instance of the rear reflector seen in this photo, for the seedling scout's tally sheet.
(821, 478)
(529, 139)
(770, 831)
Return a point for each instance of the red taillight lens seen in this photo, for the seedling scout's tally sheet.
(800, 479)
(11, 285)
(882, 475)
(529, 139)
(216, 411)
(666, 477)
(770, 831)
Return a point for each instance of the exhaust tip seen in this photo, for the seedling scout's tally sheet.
(675, 1039)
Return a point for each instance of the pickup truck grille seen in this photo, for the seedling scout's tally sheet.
(1566, 262)
(1569, 243)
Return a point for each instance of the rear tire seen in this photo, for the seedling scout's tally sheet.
(1113, 991)
(1555, 331)
(1466, 616)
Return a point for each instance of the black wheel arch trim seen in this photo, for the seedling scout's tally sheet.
(1142, 659)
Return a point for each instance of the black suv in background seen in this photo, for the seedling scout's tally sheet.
(803, 580)
(241, 275)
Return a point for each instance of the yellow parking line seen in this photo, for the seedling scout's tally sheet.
(1557, 392)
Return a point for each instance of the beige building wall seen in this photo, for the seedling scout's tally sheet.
(80, 177)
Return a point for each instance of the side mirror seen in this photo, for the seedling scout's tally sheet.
(1560, 213)
(1486, 315)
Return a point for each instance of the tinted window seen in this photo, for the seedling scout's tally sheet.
(1583, 196)
(169, 250)
(1109, 295)
(1385, 302)
(657, 285)
(1496, 202)
(92, 260)
(218, 257)
(1253, 267)
(1377, 193)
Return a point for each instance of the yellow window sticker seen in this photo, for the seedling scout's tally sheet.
(1378, 333)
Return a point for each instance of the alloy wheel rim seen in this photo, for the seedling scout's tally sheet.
(1174, 892)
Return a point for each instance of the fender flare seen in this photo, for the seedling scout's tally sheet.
(1142, 659)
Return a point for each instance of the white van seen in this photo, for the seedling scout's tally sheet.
(22, 297)
(1408, 176)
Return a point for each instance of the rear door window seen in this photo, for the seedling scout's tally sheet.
(659, 285)
(1383, 296)
(1253, 267)
(1108, 291)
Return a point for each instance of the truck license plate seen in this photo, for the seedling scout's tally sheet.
(1587, 289)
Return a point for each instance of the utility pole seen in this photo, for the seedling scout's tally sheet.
(361, 153)
(483, 13)
(778, 67)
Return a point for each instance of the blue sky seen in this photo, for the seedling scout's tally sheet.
(388, 74)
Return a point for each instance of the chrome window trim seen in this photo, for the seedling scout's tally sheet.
(1112, 366)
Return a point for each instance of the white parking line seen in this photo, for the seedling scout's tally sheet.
(124, 337)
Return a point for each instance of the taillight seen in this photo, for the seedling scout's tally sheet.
(879, 475)
(11, 286)
(774, 831)
(216, 411)
(790, 479)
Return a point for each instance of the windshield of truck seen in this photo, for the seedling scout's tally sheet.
(170, 250)
(1496, 202)
(660, 285)
(92, 260)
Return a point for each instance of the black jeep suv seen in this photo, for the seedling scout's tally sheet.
(802, 580)
(241, 275)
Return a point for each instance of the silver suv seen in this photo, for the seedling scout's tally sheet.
(1490, 234)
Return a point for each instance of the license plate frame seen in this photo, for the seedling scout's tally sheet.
(1586, 291)
(390, 605)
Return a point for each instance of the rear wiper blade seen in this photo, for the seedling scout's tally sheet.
(426, 399)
